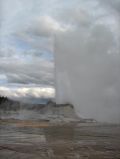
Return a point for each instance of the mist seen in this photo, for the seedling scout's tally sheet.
(87, 60)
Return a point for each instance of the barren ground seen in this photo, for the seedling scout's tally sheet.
(40, 140)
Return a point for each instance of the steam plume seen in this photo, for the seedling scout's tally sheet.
(87, 63)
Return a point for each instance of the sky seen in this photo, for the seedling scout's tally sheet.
(63, 46)
(27, 29)
(26, 57)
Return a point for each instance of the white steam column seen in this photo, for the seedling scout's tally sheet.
(86, 60)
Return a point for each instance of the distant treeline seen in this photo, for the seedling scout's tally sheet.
(3, 99)
(8, 104)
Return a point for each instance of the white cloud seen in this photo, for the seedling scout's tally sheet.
(33, 92)
(47, 26)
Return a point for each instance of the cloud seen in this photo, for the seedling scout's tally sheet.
(37, 70)
(115, 5)
(47, 26)
(27, 92)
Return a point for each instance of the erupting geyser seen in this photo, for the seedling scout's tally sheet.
(87, 61)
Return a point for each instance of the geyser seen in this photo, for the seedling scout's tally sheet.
(87, 61)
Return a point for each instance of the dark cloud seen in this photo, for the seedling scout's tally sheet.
(36, 71)
(114, 4)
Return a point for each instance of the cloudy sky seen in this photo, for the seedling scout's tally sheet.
(27, 29)
(26, 49)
